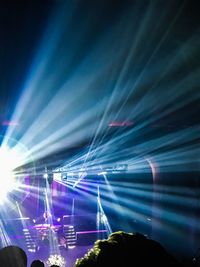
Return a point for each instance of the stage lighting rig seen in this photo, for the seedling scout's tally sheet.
(122, 167)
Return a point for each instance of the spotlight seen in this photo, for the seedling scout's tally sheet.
(8, 162)
(45, 175)
(56, 260)
(57, 176)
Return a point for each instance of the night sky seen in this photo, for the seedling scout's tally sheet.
(151, 45)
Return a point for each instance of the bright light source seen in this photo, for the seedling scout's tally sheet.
(45, 175)
(8, 162)
(56, 260)
(57, 176)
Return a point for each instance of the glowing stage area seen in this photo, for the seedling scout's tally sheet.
(55, 211)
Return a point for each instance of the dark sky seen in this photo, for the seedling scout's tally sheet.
(22, 24)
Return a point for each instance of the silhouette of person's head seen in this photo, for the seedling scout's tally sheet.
(127, 249)
(13, 256)
(37, 263)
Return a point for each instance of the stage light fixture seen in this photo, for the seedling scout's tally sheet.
(64, 176)
(45, 175)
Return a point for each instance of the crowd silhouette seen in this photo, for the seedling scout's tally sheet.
(37, 263)
(13, 256)
(119, 249)
(127, 249)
